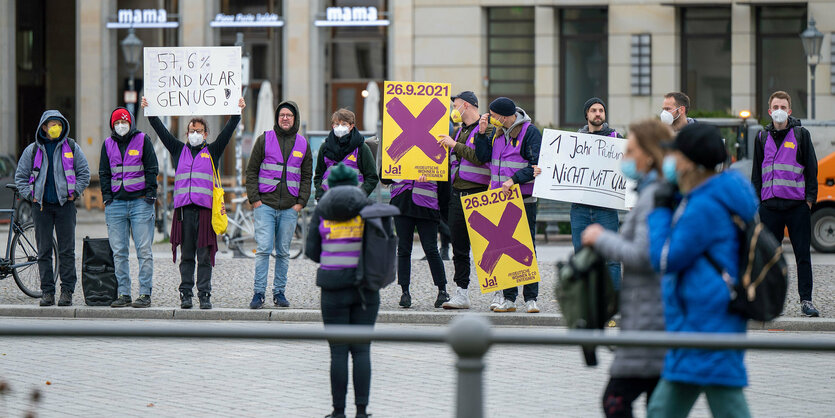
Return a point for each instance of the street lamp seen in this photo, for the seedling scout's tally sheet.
(131, 48)
(812, 40)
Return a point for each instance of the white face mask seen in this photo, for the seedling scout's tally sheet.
(779, 116)
(121, 129)
(340, 130)
(195, 139)
(667, 117)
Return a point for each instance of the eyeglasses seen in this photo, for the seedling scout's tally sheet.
(198, 131)
(283, 116)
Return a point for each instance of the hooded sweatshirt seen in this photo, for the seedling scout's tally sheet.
(805, 157)
(149, 161)
(48, 177)
(530, 144)
(280, 198)
(337, 149)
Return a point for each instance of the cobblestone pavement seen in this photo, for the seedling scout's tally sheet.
(147, 377)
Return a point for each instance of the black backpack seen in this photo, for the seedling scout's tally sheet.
(378, 258)
(760, 293)
(98, 273)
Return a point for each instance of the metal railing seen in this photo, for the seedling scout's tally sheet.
(469, 335)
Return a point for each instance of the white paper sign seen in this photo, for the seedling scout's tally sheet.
(583, 168)
(192, 80)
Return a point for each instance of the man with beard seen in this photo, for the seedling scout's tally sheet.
(585, 215)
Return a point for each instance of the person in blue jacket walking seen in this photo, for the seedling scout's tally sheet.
(694, 294)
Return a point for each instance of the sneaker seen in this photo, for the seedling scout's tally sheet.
(506, 306)
(66, 299)
(807, 308)
(443, 296)
(205, 303)
(530, 306)
(405, 300)
(332, 415)
(47, 299)
(121, 302)
(498, 299)
(257, 301)
(185, 300)
(280, 300)
(143, 301)
(460, 300)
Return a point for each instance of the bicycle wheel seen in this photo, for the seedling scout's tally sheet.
(24, 249)
(297, 243)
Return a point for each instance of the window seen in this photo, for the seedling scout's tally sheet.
(641, 60)
(510, 55)
(706, 57)
(583, 61)
(781, 61)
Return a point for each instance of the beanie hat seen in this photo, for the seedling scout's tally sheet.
(120, 114)
(342, 175)
(702, 144)
(503, 106)
(590, 103)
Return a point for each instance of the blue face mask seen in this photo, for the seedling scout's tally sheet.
(669, 169)
(630, 169)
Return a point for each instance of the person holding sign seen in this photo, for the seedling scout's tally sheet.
(513, 153)
(469, 174)
(345, 144)
(128, 171)
(420, 204)
(193, 184)
(582, 216)
(278, 186)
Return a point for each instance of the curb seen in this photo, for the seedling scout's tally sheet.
(309, 315)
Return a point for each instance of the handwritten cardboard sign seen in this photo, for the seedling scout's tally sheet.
(414, 116)
(583, 168)
(192, 80)
(501, 239)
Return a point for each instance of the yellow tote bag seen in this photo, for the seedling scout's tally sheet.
(219, 219)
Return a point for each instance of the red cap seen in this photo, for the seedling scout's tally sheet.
(119, 114)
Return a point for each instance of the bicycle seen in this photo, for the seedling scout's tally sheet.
(21, 257)
(240, 233)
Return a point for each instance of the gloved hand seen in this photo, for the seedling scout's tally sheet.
(665, 196)
(150, 200)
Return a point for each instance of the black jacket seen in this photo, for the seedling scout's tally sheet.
(340, 203)
(175, 146)
(407, 206)
(337, 149)
(805, 157)
(149, 161)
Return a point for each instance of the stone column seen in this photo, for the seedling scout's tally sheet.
(401, 41)
(296, 51)
(743, 60)
(546, 66)
(8, 82)
(824, 13)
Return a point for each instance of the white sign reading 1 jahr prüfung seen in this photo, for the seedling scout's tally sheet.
(192, 81)
(582, 168)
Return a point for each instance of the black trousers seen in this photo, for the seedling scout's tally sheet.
(61, 220)
(428, 232)
(345, 307)
(191, 217)
(622, 391)
(460, 237)
(529, 291)
(798, 221)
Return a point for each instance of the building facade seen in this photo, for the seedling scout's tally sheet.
(549, 56)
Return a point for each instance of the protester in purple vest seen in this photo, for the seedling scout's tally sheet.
(584, 215)
(53, 172)
(192, 224)
(785, 177)
(345, 144)
(128, 171)
(514, 152)
(278, 187)
(419, 202)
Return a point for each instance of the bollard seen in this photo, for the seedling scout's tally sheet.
(469, 336)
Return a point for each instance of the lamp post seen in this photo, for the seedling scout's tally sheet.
(131, 48)
(812, 40)
(239, 41)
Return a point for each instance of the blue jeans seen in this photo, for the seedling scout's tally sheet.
(126, 218)
(273, 229)
(583, 216)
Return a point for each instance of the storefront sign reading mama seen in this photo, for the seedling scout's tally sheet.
(246, 20)
(141, 18)
(352, 16)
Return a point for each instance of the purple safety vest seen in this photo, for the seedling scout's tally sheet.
(507, 160)
(350, 160)
(423, 193)
(193, 179)
(466, 170)
(273, 167)
(341, 243)
(782, 174)
(127, 172)
(67, 162)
